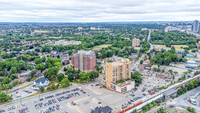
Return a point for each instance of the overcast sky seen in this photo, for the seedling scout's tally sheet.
(98, 10)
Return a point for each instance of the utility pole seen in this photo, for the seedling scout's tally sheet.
(20, 98)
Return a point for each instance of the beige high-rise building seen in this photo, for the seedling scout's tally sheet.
(116, 71)
(135, 42)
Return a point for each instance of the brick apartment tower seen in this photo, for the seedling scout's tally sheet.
(84, 61)
(135, 42)
(117, 70)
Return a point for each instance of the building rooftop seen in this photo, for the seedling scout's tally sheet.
(88, 53)
(116, 63)
(125, 83)
(119, 61)
(105, 109)
(41, 80)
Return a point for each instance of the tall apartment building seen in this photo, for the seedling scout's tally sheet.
(116, 71)
(135, 42)
(195, 26)
(84, 61)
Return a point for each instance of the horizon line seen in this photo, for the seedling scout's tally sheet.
(105, 21)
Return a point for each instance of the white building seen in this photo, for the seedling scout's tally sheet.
(41, 82)
(124, 87)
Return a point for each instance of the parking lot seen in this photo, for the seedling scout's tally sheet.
(81, 99)
(21, 93)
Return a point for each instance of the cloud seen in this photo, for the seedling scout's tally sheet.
(98, 10)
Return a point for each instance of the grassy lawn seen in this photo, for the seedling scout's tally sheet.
(21, 87)
(103, 46)
(179, 110)
(38, 31)
(178, 47)
(26, 86)
(169, 110)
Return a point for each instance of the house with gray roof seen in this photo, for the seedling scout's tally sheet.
(41, 82)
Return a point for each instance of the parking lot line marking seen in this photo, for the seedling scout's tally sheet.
(78, 109)
(82, 99)
(93, 90)
(115, 100)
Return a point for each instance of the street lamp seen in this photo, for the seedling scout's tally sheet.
(20, 98)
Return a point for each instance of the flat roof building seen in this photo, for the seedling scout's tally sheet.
(135, 42)
(195, 26)
(116, 71)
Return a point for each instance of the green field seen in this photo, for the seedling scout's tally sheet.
(177, 47)
(38, 31)
(103, 46)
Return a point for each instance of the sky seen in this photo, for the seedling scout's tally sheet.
(98, 10)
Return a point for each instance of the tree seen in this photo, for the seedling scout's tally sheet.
(28, 79)
(84, 76)
(13, 70)
(88, 76)
(160, 110)
(46, 48)
(51, 86)
(15, 82)
(37, 50)
(13, 76)
(93, 75)
(43, 59)
(4, 97)
(141, 61)
(70, 77)
(60, 76)
(170, 71)
(175, 72)
(40, 67)
(38, 60)
(70, 52)
(41, 89)
(6, 80)
(135, 111)
(98, 68)
(136, 77)
(58, 64)
(189, 71)
(65, 82)
(51, 73)
(33, 72)
(65, 69)
(191, 110)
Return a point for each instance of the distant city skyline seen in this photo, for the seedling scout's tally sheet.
(98, 11)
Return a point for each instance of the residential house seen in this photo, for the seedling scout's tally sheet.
(141, 67)
(105, 109)
(41, 82)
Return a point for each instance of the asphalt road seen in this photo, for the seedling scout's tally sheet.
(149, 37)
